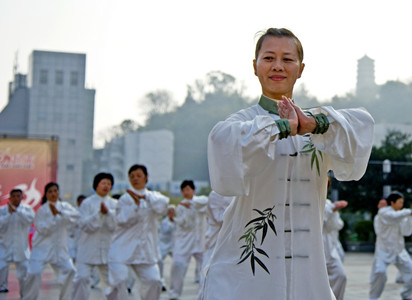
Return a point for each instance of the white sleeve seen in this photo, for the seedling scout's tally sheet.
(348, 141)
(127, 211)
(237, 149)
(406, 226)
(158, 202)
(90, 221)
(26, 214)
(391, 217)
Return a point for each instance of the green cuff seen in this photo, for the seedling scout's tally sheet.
(322, 123)
(284, 128)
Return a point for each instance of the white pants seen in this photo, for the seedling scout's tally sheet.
(178, 272)
(21, 268)
(378, 276)
(65, 272)
(337, 277)
(148, 275)
(81, 282)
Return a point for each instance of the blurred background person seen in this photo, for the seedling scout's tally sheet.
(97, 223)
(15, 221)
(50, 244)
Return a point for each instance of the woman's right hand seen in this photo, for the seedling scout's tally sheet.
(288, 111)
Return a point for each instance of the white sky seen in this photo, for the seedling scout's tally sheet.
(135, 47)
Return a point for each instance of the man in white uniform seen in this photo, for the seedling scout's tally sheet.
(332, 224)
(97, 223)
(258, 155)
(134, 242)
(394, 223)
(188, 236)
(15, 221)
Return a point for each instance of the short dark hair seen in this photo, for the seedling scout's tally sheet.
(186, 183)
(393, 197)
(136, 167)
(99, 177)
(279, 32)
(80, 198)
(16, 191)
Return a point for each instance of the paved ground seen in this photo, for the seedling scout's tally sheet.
(357, 266)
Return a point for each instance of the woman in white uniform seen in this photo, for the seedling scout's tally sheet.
(97, 223)
(50, 244)
(259, 155)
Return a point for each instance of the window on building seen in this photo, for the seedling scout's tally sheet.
(59, 77)
(70, 167)
(43, 76)
(74, 78)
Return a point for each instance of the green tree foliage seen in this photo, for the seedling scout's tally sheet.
(206, 103)
(363, 195)
(364, 230)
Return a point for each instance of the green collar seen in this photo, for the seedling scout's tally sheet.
(269, 105)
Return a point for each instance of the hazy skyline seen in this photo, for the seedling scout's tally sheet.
(136, 47)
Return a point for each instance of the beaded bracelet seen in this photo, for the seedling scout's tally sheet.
(284, 128)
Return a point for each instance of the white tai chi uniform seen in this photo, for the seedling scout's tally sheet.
(166, 240)
(94, 242)
(243, 161)
(390, 248)
(332, 223)
(14, 241)
(188, 243)
(134, 245)
(50, 247)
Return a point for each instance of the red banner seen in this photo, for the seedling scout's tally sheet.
(27, 164)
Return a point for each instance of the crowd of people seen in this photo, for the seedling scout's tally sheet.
(107, 239)
(269, 168)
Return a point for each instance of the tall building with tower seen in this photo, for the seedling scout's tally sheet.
(52, 100)
(366, 87)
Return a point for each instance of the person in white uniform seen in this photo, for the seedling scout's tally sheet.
(134, 243)
(15, 221)
(394, 223)
(50, 244)
(166, 239)
(259, 155)
(189, 240)
(97, 223)
(332, 224)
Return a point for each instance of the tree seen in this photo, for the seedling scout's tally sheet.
(192, 121)
(158, 102)
(363, 195)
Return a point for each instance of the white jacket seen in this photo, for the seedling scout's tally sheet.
(393, 226)
(247, 159)
(14, 231)
(135, 238)
(190, 227)
(96, 229)
(50, 238)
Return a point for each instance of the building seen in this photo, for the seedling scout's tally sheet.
(51, 100)
(366, 87)
(154, 149)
